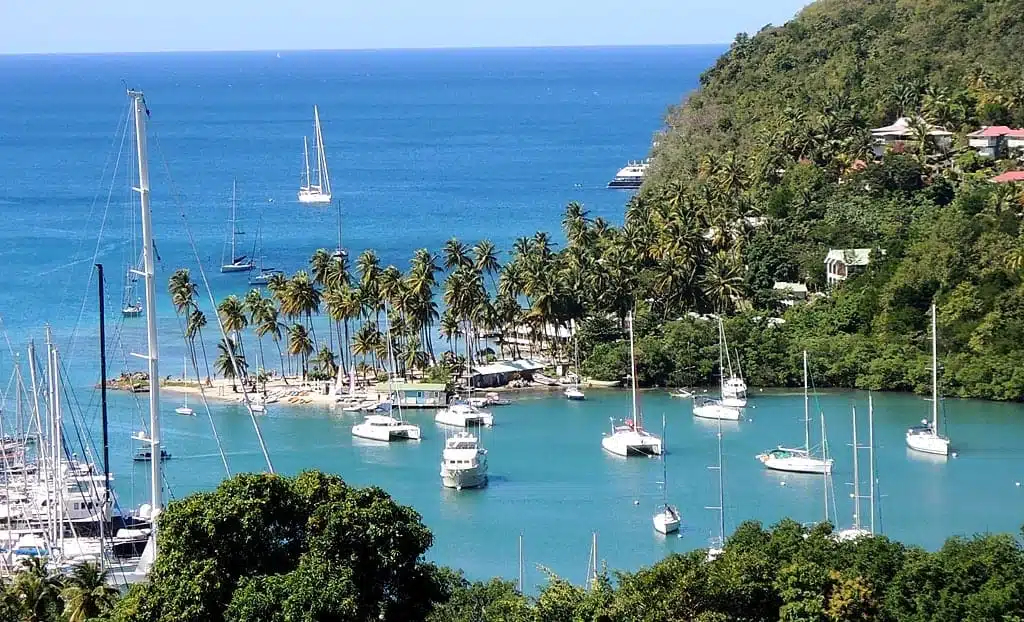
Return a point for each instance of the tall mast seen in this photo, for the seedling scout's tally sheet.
(305, 151)
(234, 222)
(664, 465)
(520, 562)
(721, 489)
(340, 249)
(807, 412)
(871, 457)
(637, 417)
(103, 398)
(721, 348)
(935, 374)
(322, 178)
(856, 475)
(824, 472)
(149, 274)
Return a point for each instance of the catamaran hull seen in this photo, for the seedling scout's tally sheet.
(236, 268)
(385, 435)
(929, 444)
(464, 478)
(640, 446)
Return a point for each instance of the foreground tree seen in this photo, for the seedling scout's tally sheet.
(312, 548)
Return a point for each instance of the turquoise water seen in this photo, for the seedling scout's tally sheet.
(423, 146)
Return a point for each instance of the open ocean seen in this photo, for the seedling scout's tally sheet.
(422, 146)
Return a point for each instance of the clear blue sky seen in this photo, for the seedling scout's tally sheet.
(60, 26)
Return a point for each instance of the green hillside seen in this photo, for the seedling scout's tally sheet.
(780, 130)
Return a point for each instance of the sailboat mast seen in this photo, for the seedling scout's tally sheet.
(721, 489)
(824, 472)
(103, 394)
(721, 365)
(664, 465)
(871, 457)
(856, 475)
(149, 275)
(234, 222)
(520, 562)
(305, 151)
(323, 181)
(637, 417)
(935, 374)
(807, 412)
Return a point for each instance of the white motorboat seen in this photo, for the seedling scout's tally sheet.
(735, 387)
(630, 176)
(631, 439)
(385, 428)
(494, 399)
(800, 460)
(734, 402)
(233, 262)
(185, 410)
(680, 393)
(264, 275)
(574, 393)
(463, 462)
(463, 415)
(132, 309)
(667, 520)
(925, 437)
(316, 190)
(709, 408)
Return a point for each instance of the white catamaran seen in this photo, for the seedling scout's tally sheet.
(925, 437)
(316, 189)
(631, 439)
(799, 460)
(235, 262)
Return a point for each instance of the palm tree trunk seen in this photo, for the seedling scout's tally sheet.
(280, 354)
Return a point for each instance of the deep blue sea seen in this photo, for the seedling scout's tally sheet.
(422, 146)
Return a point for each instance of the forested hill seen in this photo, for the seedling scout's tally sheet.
(769, 165)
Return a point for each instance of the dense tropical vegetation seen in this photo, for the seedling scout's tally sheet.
(278, 549)
(758, 174)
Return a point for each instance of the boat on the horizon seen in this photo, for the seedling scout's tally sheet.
(630, 176)
(317, 189)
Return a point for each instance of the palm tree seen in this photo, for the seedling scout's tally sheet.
(270, 324)
(327, 362)
(485, 258)
(413, 357)
(87, 594)
(301, 345)
(575, 224)
(301, 299)
(37, 590)
(230, 363)
(193, 329)
(233, 319)
(183, 291)
(450, 328)
(722, 282)
(456, 255)
(320, 263)
(367, 341)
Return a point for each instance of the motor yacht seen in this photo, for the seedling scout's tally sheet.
(463, 462)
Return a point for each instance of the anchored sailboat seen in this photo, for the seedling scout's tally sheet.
(573, 391)
(316, 190)
(858, 530)
(184, 408)
(925, 437)
(708, 408)
(667, 520)
(799, 460)
(631, 439)
(235, 262)
(717, 545)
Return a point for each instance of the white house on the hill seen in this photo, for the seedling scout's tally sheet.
(841, 263)
(902, 131)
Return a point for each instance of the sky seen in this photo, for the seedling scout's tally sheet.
(93, 26)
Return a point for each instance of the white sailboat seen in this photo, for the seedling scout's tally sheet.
(857, 530)
(131, 305)
(184, 408)
(799, 460)
(717, 544)
(316, 190)
(573, 391)
(385, 427)
(263, 275)
(734, 388)
(340, 252)
(631, 439)
(235, 262)
(925, 437)
(463, 413)
(463, 462)
(710, 408)
(667, 520)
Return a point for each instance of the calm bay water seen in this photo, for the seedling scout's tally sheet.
(423, 146)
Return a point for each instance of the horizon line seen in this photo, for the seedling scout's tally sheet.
(380, 49)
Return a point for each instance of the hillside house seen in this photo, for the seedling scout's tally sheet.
(842, 263)
(997, 141)
(902, 133)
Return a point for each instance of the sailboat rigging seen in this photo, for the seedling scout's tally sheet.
(799, 460)
(317, 189)
(667, 520)
(235, 262)
(925, 437)
(131, 306)
(573, 391)
(717, 545)
(708, 408)
(340, 252)
(631, 439)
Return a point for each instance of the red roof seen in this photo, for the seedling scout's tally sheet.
(994, 131)
(1008, 177)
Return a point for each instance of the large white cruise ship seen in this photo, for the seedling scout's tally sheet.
(630, 176)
